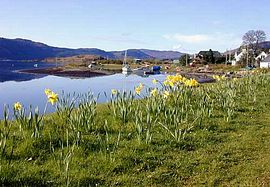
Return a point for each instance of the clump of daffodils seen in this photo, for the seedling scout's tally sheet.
(219, 78)
(51, 96)
(191, 83)
(17, 106)
(175, 80)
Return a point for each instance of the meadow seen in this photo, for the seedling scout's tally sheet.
(181, 133)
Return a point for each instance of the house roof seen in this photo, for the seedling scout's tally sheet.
(267, 59)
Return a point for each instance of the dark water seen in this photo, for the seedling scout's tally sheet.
(8, 70)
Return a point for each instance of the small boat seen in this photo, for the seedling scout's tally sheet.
(140, 69)
(152, 71)
(126, 68)
(35, 65)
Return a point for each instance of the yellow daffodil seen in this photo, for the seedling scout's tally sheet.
(166, 94)
(184, 79)
(48, 91)
(138, 90)
(169, 77)
(191, 83)
(154, 92)
(216, 77)
(177, 78)
(17, 106)
(223, 77)
(154, 81)
(114, 91)
(219, 78)
(52, 98)
(166, 83)
(171, 83)
(173, 80)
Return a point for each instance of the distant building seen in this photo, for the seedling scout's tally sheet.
(261, 56)
(176, 61)
(238, 56)
(137, 61)
(265, 63)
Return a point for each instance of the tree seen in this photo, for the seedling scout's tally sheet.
(208, 56)
(253, 38)
(184, 60)
(211, 57)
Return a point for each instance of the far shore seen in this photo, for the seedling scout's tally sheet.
(59, 71)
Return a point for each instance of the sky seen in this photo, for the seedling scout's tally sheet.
(179, 25)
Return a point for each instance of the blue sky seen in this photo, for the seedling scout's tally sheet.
(181, 25)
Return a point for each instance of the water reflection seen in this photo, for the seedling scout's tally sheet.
(32, 92)
(9, 70)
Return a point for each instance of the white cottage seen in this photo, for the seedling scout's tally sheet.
(265, 63)
(261, 56)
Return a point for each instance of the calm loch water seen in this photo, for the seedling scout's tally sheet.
(29, 89)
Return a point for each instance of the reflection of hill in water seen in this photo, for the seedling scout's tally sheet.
(8, 70)
(18, 77)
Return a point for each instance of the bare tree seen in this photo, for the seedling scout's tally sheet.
(260, 36)
(253, 38)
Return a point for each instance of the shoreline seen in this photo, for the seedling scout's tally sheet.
(76, 73)
(87, 73)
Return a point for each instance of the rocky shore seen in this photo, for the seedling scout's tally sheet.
(78, 73)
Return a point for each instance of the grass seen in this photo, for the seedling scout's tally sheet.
(216, 152)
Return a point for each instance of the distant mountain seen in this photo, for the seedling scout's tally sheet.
(131, 53)
(148, 54)
(265, 45)
(22, 49)
(162, 54)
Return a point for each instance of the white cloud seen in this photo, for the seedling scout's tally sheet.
(177, 47)
(196, 42)
(180, 48)
(197, 38)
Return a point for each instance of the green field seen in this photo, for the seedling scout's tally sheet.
(208, 135)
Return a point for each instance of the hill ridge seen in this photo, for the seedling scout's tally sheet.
(25, 49)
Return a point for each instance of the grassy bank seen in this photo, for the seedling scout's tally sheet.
(181, 134)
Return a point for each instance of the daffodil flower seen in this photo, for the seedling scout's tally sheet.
(166, 83)
(154, 92)
(114, 91)
(191, 83)
(17, 106)
(154, 81)
(52, 98)
(48, 91)
(166, 94)
(171, 83)
(138, 90)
